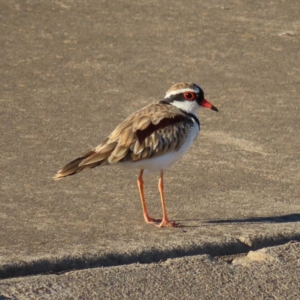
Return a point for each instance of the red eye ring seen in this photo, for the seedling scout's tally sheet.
(189, 96)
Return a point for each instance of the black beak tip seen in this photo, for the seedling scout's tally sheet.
(214, 108)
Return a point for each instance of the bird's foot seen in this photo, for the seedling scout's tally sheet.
(150, 220)
(161, 222)
(167, 223)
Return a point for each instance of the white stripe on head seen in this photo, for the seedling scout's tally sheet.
(181, 91)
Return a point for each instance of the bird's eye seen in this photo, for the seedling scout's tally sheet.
(189, 96)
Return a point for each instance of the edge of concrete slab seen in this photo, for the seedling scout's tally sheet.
(25, 266)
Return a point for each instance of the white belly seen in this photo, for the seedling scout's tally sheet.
(164, 161)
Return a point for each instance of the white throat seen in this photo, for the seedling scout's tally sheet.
(189, 106)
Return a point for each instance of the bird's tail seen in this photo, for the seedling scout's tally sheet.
(79, 164)
(75, 166)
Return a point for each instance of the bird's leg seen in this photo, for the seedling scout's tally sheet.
(165, 222)
(141, 190)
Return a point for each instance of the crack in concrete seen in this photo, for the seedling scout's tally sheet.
(55, 265)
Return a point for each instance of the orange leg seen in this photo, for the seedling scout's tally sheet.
(165, 222)
(140, 183)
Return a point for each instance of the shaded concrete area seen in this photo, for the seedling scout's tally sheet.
(71, 71)
(269, 273)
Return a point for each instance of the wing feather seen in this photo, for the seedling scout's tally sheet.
(154, 130)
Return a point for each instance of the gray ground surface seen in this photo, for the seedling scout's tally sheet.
(72, 70)
(269, 273)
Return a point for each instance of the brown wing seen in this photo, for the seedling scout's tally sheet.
(156, 129)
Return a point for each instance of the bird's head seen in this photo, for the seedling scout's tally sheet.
(188, 97)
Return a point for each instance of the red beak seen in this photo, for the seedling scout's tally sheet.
(207, 104)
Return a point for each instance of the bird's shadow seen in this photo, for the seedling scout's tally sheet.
(291, 218)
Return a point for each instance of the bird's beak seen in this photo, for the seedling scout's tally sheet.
(207, 104)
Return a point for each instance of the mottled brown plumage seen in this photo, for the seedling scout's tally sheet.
(151, 139)
(154, 130)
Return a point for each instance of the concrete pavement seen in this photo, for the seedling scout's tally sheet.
(269, 273)
(71, 71)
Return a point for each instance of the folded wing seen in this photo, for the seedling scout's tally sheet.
(154, 130)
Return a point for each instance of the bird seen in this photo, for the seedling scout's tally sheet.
(151, 140)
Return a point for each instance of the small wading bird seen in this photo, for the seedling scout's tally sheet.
(151, 139)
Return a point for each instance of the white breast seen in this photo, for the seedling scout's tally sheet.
(164, 161)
